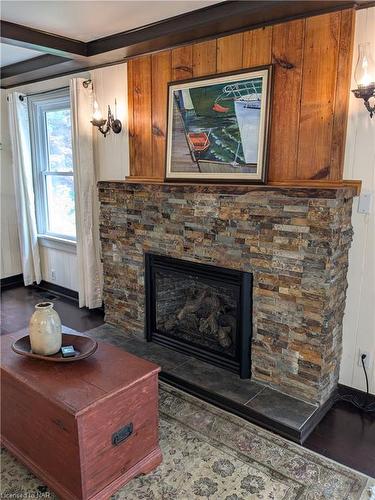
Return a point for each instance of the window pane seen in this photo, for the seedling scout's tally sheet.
(60, 205)
(59, 140)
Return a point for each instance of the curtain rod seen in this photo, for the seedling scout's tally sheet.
(86, 83)
(46, 91)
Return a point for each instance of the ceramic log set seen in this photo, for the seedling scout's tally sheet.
(45, 330)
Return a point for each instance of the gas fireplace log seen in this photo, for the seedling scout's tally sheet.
(207, 313)
(209, 326)
(192, 305)
(225, 339)
(214, 303)
(228, 320)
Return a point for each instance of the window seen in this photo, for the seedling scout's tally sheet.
(51, 141)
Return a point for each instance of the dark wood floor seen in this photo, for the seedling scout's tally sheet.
(345, 434)
(17, 305)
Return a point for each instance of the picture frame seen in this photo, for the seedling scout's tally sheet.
(218, 127)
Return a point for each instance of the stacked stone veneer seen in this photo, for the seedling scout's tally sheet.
(294, 241)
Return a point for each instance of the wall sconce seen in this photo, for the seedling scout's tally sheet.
(105, 125)
(364, 75)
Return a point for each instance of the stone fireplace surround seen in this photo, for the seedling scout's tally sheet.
(295, 241)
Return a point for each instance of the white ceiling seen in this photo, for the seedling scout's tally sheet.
(91, 19)
(10, 54)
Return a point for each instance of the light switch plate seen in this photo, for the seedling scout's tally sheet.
(365, 202)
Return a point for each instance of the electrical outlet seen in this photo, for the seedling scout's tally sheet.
(53, 275)
(365, 202)
(367, 360)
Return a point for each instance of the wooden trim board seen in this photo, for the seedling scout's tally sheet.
(289, 184)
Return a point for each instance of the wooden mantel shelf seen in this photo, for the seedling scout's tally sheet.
(289, 184)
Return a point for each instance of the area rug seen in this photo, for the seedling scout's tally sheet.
(210, 454)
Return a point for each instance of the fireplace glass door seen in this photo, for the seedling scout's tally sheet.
(201, 310)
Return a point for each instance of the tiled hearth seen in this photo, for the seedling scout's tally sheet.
(295, 244)
(252, 400)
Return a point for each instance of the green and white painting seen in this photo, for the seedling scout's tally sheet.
(217, 127)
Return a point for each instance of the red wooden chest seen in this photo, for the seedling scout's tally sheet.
(84, 428)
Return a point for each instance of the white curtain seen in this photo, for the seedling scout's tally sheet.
(24, 190)
(87, 203)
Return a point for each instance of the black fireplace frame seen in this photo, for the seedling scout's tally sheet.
(241, 362)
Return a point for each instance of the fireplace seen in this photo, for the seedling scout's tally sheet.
(293, 241)
(200, 310)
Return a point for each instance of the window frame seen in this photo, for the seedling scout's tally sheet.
(38, 106)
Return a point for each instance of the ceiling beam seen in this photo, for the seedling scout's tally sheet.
(212, 21)
(224, 17)
(32, 64)
(23, 36)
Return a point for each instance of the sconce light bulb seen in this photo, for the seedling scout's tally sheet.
(366, 79)
(365, 69)
(97, 115)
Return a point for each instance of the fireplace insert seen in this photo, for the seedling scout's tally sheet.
(201, 310)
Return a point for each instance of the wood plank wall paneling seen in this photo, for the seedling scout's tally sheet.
(257, 47)
(340, 119)
(319, 74)
(161, 75)
(311, 61)
(229, 53)
(182, 63)
(131, 118)
(204, 58)
(140, 145)
(287, 48)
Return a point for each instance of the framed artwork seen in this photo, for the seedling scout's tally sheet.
(218, 127)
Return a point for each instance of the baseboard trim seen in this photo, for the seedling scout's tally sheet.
(17, 280)
(12, 281)
(346, 389)
(58, 290)
(66, 293)
(46, 286)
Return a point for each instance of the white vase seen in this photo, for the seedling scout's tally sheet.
(45, 330)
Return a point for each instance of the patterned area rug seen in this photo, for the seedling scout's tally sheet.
(210, 454)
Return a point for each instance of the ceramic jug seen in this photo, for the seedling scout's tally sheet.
(45, 330)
